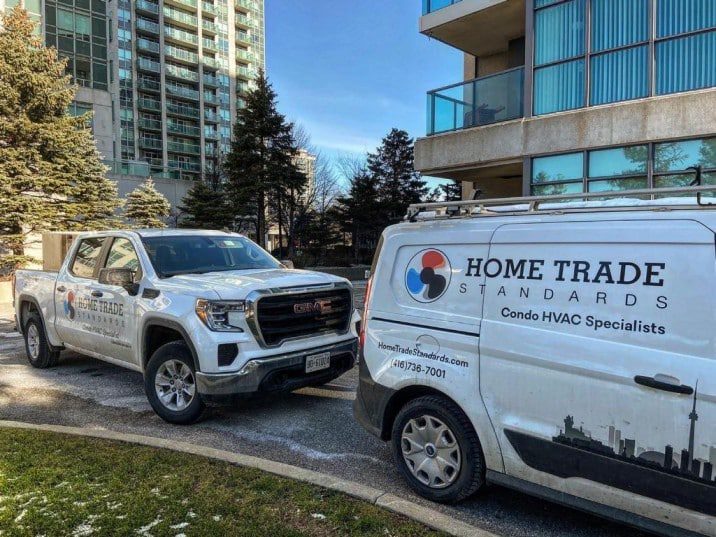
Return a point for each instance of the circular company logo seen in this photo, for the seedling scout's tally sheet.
(428, 275)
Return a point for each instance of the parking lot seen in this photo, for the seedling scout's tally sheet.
(312, 428)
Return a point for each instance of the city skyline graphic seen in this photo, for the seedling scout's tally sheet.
(684, 463)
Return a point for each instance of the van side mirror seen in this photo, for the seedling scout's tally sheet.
(287, 263)
(122, 277)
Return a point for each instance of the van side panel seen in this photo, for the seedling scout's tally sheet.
(568, 353)
(423, 325)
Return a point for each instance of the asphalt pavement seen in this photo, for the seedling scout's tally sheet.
(312, 428)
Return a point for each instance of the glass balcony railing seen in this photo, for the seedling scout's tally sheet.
(182, 110)
(150, 104)
(180, 16)
(146, 44)
(147, 64)
(210, 45)
(180, 35)
(149, 84)
(483, 101)
(128, 167)
(211, 80)
(147, 25)
(208, 7)
(186, 130)
(151, 7)
(181, 54)
(150, 143)
(181, 72)
(245, 55)
(150, 124)
(181, 91)
(434, 5)
(178, 147)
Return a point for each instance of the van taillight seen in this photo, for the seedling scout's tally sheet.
(364, 321)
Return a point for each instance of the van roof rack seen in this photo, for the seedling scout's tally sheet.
(646, 199)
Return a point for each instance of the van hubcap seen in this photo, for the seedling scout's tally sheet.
(174, 384)
(33, 341)
(431, 451)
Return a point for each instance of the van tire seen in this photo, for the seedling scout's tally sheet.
(177, 356)
(38, 350)
(471, 476)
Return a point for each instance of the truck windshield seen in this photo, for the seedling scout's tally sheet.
(199, 254)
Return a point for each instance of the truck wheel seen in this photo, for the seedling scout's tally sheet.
(437, 450)
(39, 352)
(170, 384)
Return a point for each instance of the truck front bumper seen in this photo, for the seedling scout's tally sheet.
(278, 373)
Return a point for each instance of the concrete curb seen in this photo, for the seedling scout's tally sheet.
(385, 500)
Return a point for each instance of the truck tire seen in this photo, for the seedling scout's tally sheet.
(170, 384)
(39, 352)
(437, 450)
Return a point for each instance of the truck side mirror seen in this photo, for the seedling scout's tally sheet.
(123, 277)
(287, 263)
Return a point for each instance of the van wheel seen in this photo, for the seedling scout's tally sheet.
(170, 384)
(39, 352)
(437, 450)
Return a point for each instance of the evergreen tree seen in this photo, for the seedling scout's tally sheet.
(51, 174)
(451, 191)
(399, 185)
(146, 206)
(360, 215)
(261, 174)
(205, 207)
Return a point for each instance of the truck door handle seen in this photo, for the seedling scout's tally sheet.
(97, 294)
(657, 384)
(61, 289)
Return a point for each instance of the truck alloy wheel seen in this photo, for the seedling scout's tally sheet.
(431, 451)
(174, 384)
(33, 341)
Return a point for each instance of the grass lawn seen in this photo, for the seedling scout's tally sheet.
(53, 484)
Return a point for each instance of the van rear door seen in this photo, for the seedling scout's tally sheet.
(598, 368)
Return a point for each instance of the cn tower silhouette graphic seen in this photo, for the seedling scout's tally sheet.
(693, 417)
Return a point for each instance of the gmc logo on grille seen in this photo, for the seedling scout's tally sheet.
(319, 306)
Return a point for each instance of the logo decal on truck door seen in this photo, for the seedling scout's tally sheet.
(70, 305)
(428, 275)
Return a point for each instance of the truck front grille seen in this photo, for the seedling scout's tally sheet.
(283, 317)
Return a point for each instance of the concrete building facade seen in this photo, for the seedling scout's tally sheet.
(163, 78)
(562, 96)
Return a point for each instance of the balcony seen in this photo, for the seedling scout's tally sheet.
(209, 27)
(176, 90)
(182, 130)
(243, 37)
(146, 83)
(478, 27)
(184, 3)
(211, 81)
(245, 55)
(147, 46)
(210, 98)
(475, 103)
(147, 26)
(150, 143)
(150, 124)
(211, 117)
(150, 104)
(208, 7)
(149, 7)
(209, 45)
(179, 109)
(246, 72)
(180, 17)
(211, 63)
(181, 54)
(189, 149)
(181, 73)
(147, 64)
(194, 167)
(182, 36)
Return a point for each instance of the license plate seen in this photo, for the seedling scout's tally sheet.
(318, 362)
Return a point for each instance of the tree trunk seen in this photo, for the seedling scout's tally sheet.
(260, 220)
(279, 195)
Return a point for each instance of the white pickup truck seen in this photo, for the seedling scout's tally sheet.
(206, 316)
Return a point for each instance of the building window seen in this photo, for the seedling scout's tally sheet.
(660, 165)
(623, 168)
(607, 56)
(558, 174)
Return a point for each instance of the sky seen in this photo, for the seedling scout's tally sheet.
(350, 70)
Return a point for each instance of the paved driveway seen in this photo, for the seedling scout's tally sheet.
(313, 428)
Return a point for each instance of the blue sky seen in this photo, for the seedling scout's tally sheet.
(350, 70)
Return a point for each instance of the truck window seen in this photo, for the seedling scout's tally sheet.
(197, 254)
(85, 261)
(123, 255)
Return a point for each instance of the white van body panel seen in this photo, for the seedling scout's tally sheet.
(543, 352)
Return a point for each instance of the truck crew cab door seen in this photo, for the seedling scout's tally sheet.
(115, 320)
(73, 294)
(598, 369)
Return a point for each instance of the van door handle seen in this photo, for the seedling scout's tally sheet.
(97, 294)
(61, 289)
(653, 382)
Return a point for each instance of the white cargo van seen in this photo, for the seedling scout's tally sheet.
(566, 350)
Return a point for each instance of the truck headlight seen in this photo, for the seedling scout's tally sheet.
(221, 315)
